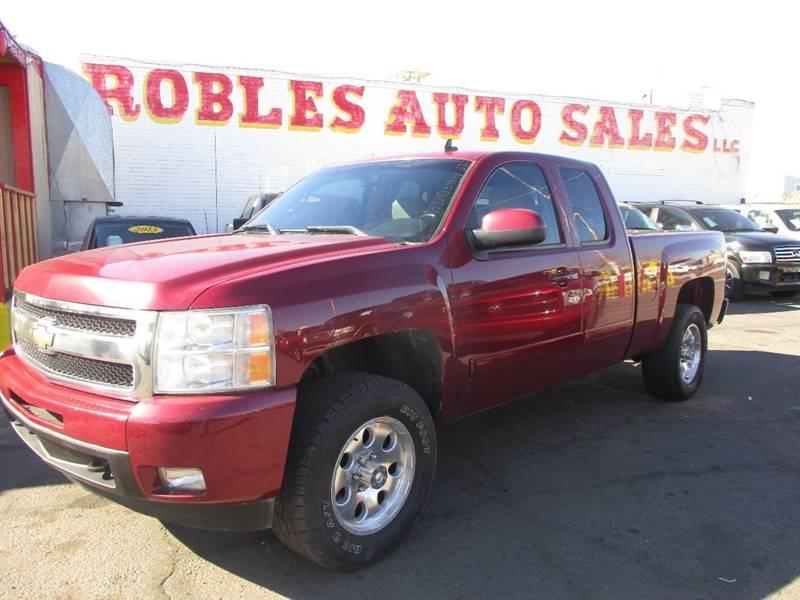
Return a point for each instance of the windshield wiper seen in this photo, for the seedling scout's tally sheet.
(261, 227)
(346, 229)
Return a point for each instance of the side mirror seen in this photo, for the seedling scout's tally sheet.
(770, 229)
(238, 222)
(509, 227)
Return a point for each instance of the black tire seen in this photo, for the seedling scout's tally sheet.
(661, 368)
(329, 410)
(734, 286)
(784, 294)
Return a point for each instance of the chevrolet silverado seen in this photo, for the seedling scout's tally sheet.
(293, 374)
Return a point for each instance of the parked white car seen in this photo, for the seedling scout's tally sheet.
(783, 219)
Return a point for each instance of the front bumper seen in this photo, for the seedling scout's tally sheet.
(775, 277)
(114, 447)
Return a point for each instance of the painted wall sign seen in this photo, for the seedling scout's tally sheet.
(200, 140)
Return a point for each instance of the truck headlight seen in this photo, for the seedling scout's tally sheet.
(214, 350)
(755, 257)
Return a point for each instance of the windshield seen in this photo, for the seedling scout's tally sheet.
(400, 200)
(113, 234)
(790, 217)
(723, 219)
(635, 219)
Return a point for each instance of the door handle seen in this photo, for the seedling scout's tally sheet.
(563, 276)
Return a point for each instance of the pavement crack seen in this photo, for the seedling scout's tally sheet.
(172, 565)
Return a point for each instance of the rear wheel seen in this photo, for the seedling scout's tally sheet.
(674, 371)
(360, 467)
(734, 286)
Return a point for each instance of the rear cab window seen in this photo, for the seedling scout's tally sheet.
(114, 234)
(585, 204)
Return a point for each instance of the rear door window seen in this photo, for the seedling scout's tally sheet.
(586, 206)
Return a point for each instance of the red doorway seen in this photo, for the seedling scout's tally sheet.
(13, 79)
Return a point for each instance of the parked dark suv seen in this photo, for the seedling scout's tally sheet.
(114, 230)
(757, 259)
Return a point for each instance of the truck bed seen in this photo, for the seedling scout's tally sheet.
(664, 262)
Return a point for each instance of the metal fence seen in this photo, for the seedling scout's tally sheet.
(18, 244)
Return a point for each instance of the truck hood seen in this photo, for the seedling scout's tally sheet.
(170, 274)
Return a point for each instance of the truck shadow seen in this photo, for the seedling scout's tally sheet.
(591, 489)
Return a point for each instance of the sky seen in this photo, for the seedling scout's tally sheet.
(613, 50)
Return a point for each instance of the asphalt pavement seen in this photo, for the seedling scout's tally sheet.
(589, 490)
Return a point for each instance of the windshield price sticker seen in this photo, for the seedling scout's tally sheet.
(145, 229)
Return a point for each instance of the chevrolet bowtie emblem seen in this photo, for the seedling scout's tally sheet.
(43, 335)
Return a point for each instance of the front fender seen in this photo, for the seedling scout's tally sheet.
(320, 306)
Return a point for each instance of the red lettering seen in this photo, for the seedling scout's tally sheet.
(665, 141)
(407, 110)
(579, 131)
(348, 107)
(153, 101)
(606, 128)
(120, 91)
(305, 115)
(522, 135)
(459, 101)
(215, 98)
(636, 141)
(251, 86)
(695, 140)
(490, 106)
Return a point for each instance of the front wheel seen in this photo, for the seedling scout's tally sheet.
(674, 371)
(361, 464)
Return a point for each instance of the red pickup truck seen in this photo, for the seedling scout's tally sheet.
(292, 374)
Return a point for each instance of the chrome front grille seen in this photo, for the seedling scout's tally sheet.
(785, 254)
(69, 320)
(80, 368)
(86, 346)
